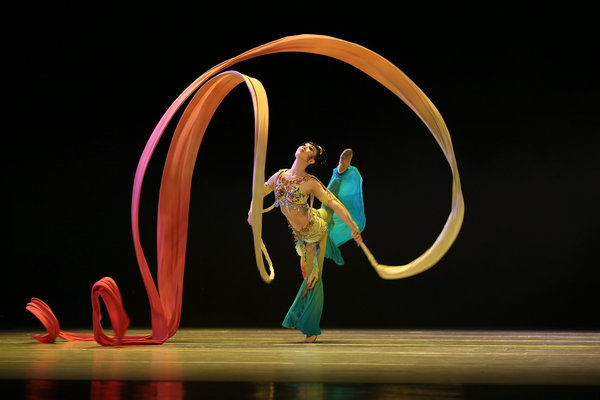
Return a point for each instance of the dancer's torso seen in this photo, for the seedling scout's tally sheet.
(292, 198)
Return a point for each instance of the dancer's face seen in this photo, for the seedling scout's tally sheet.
(307, 152)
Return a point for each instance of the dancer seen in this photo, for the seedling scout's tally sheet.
(294, 191)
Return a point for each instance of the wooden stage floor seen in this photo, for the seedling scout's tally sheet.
(405, 358)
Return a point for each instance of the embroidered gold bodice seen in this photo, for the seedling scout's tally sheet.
(288, 192)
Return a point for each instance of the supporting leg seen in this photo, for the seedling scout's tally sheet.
(311, 339)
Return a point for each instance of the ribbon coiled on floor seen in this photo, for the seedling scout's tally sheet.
(206, 93)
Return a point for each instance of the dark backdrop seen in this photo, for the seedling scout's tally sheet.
(517, 89)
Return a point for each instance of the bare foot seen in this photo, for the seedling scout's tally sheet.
(345, 159)
(311, 339)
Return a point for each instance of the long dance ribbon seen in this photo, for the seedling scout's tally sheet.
(173, 212)
(210, 88)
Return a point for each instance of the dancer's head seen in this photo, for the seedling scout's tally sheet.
(315, 155)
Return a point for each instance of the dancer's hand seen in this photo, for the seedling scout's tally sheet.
(356, 236)
(312, 280)
(250, 218)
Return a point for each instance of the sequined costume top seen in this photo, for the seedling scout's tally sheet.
(288, 192)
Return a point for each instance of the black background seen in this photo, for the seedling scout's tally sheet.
(517, 89)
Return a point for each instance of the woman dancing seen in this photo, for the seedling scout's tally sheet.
(294, 191)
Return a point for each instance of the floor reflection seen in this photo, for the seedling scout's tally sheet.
(169, 390)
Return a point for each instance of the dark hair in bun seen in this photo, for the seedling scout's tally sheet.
(320, 157)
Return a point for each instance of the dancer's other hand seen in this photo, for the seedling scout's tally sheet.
(356, 236)
(312, 280)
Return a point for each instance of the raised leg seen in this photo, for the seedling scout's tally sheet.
(345, 159)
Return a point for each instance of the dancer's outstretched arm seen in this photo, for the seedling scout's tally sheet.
(327, 198)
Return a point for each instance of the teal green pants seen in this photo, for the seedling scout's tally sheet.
(305, 313)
